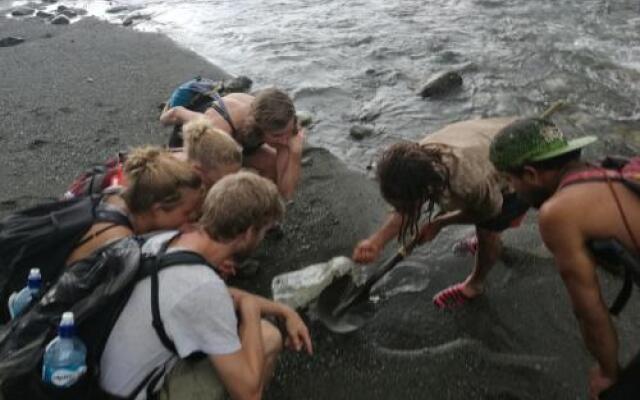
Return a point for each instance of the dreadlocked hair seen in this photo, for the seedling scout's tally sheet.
(410, 176)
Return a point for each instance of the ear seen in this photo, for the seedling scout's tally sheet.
(155, 209)
(530, 175)
(227, 268)
(197, 167)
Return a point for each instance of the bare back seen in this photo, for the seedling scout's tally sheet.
(596, 212)
(238, 105)
(100, 234)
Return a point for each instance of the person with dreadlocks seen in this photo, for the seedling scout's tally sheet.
(447, 176)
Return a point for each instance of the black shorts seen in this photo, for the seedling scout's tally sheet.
(513, 210)
(628, 385)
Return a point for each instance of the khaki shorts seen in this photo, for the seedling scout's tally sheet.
(192, 380)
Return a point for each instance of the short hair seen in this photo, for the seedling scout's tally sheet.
(153, 176)
(240, 201)
(271, 110)
(209, 146)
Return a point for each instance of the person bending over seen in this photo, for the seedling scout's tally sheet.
(449, 169)
(212, 152)
(265, 126)
(546, 169)
(200, 314)
(161, 192)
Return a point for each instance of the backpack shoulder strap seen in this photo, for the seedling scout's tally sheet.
(151, 267)
(596, 174)
(221, 109)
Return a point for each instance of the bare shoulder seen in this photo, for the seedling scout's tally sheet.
(567, 210)
(239, 98)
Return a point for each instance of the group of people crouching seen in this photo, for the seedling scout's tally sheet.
(200, 200)
(485, 173)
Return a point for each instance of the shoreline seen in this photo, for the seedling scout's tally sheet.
(73, 95)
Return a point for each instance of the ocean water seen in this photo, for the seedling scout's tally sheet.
(354, 62)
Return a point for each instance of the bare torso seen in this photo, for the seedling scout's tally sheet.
(594, 209)
(238, 106)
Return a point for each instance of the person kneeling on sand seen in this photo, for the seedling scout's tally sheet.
(200, 314)
(211, 152)
(449, 168)
(265, 125)
(162, 192)
(578, 204)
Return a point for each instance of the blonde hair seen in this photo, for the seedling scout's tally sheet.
(240, 201)
(153, 176)
(210, 146)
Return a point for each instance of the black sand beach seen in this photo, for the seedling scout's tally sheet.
(72, 95)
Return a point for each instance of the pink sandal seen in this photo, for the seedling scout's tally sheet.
(466, 246)
(451, 297)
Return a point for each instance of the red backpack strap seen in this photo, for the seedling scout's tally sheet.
(595, 174)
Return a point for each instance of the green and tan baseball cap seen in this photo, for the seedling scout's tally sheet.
(530, 140)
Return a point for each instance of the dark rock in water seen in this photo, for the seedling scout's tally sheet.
(68, 13)
(50, 1)
(369, 115)
(10, 41)
(360, 132)
(305, 118)
(117, 9)
(62, 7)
(442, 84)
(128, 20)
(306, 161)
(22, 11)
(44, 14)
(239, 84)
(60, 20)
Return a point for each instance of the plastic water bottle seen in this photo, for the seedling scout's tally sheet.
(19, 301)
(64, 360)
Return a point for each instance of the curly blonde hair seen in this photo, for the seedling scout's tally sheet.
(209, 146)
(153, 176)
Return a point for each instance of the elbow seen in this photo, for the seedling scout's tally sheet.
(167, 117)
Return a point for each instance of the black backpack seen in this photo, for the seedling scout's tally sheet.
(96, 290)
(43, 237)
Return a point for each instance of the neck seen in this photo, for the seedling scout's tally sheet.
(197, 240)
(571, 167)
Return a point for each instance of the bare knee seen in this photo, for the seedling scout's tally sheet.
(271, 338)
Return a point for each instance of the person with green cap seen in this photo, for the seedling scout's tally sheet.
(448, 169)
(546, 169)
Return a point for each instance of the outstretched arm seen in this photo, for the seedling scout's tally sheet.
(178, 115)
(370, 248)
(577, 268)
(298, 334)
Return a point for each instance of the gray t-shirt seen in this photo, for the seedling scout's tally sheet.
(198, 315)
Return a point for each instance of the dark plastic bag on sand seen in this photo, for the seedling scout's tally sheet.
(95, 290)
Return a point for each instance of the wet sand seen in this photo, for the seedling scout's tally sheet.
(72, 95)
